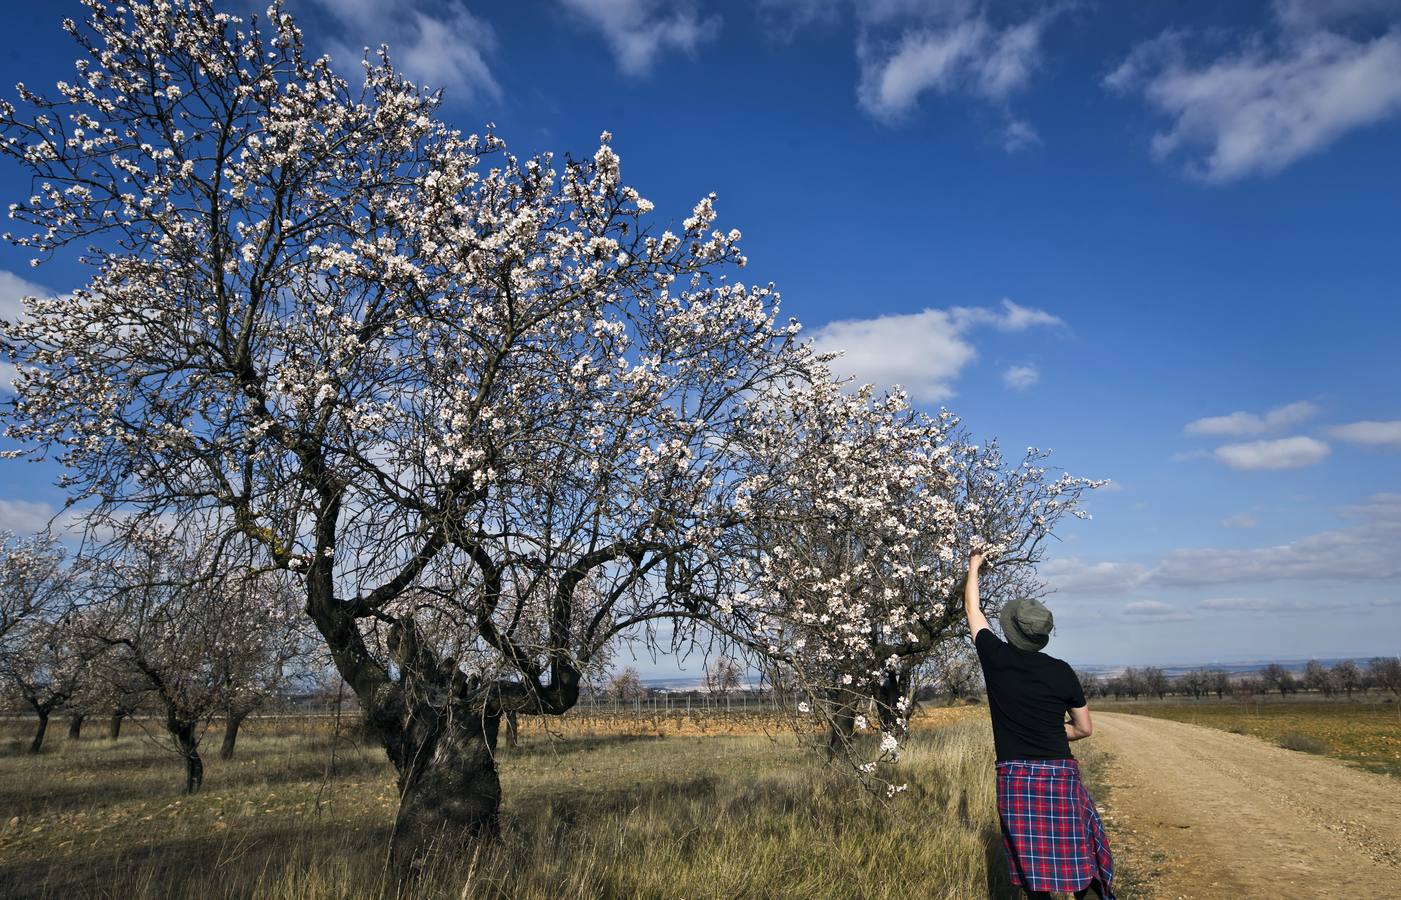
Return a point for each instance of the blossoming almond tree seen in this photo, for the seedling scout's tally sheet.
(192, 625)
(861, 514)
(436, 381)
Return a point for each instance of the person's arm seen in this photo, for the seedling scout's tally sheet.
(1079, 727)
(976, 620)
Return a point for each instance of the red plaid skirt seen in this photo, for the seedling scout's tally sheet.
(1053, 836)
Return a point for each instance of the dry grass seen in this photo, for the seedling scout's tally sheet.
(1365, 733)
(603, 810)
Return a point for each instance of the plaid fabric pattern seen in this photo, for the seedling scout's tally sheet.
(1052, 834)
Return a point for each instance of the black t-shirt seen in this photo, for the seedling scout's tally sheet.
(1028, 695)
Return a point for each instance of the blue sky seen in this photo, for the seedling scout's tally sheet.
(1160, 239)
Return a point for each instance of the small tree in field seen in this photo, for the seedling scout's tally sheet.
(1347, 676)
(47, 662)
(1279, 678)
(1385, 673)
(626, 686)
(185, 619)
(395, 357)
(1317, 677)
(723, 675)
(34, 582)
(862, 515)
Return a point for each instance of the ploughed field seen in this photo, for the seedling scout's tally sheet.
(609, 805)
(1365, 732)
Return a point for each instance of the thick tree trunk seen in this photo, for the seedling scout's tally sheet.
(114, 724)
(226, 750)
(449, 789)
(75, 726)
(37, 744)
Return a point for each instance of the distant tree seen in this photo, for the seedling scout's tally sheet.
(1218, 682)
(723, 675)
(956, 670)
(1385, 673)
(1277, 677)
(1091, 684)
(186, 619)
(1347, 676)
(1317, 677)
(1194, 682)
(1154, 681)
(626, 686)
(47, 661)
(33, 581)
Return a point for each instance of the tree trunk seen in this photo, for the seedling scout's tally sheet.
(75, 726)
(449, 789)
(185, 739)
(226, 750)
(512, 729)
(38, 742)
(114, 724)
(888, 695)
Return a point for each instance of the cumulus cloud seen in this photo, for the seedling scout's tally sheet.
(1370, 434)
(13, 290)
(436, 43)
(1240, 520)
(1240, 424)
(922, 352)
(1284, 453)
(639, 31)
(1019, 378)
(1325, 69)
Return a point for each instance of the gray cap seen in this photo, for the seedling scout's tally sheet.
(1027, 623)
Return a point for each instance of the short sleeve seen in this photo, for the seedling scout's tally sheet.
(986, 643)
(1077, 693)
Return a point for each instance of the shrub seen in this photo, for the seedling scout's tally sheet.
(1302, 743)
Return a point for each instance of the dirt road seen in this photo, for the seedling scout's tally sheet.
(1204, 813)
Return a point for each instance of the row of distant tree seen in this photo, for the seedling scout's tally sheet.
(1344, 678)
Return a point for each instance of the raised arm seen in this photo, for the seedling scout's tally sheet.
(976, 620)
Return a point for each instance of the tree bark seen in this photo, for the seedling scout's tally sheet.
(512, 729)
(75, 726)
(114, 724)
(37, 744)
(188, 742)
(226, 750)
(888, 694)
(449, 790)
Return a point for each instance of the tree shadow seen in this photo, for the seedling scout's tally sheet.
(537, 746)
(998, 882)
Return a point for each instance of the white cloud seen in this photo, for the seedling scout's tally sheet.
(25, 516)
(1019, 135)
(923, 352)
(13, 290)
(1270, 604)
(1074, 575)
(1277, 98)
(1364, 551)
(1372, 434)
(1246, 423)
(1019, 378)
(1240, 520)
(436, 44)
(1284, 453)
(638, 31)
(962, 55)
(1156, 610)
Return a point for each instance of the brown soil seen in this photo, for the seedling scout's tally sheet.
(1201, 813)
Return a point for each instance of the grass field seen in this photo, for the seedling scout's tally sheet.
(1365, 733)
(601, 809)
